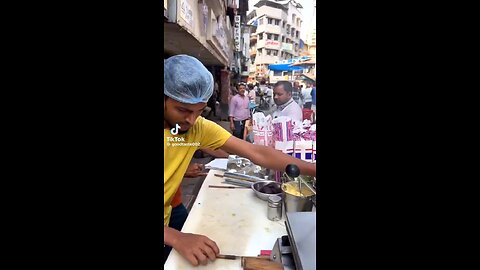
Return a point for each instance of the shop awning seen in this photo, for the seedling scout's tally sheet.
(305, 63)
(283, 67)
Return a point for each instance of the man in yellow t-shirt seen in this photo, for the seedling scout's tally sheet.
(187, 87)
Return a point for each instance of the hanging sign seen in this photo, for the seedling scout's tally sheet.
(237, 37)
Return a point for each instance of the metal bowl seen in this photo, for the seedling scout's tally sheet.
(264, 196)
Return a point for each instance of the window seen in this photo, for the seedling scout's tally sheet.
(277, 22)
(277, 73)
(269, 52)
(270, 21)
(269, 36)
(297, 34)
(283, 24)
(260, 21)
(283, 39)
(275, 52)
(281, 54)
(260, 36)
(275, 37)
(259, 51)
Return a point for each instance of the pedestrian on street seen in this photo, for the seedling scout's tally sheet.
(297, 95)
(269, 95)
(313, 93)
(251, 93)
(212, 102)
(187, 87)
(239, 112)
(286, 106)
(306, 93)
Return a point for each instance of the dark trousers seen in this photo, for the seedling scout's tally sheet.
(177, 219)
(239, 129)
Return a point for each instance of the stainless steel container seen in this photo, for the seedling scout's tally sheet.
(274, 211)
(296, 201)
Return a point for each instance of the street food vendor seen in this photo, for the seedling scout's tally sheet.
(187, 87)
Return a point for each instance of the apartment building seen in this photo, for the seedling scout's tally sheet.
(276, 27)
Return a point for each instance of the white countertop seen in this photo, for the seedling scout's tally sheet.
(235, 219)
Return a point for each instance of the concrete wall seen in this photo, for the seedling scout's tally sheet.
(190, 17)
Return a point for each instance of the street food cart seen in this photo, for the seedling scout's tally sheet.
(236, 219)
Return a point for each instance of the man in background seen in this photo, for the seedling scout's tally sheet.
(306, 93)
(286, 106)
(296, 94)
(313, 93)
(239, 112)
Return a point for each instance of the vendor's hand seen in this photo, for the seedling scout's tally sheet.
(197, 249)
(232, 126)
(195, 170)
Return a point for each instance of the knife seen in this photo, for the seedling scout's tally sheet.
(234, 257)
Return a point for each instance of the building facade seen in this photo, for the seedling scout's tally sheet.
(275, 27)
(205, 29)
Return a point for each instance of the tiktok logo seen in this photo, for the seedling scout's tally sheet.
(174, 131)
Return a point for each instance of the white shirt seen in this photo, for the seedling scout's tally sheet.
(269, 92)
(293, 111)
(306, 94)
(263, 88)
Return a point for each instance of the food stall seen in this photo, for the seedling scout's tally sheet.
(230, 210)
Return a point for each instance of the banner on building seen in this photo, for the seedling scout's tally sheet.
(237, 36)
(272, 43)
(287, 46)
(186, 12)
(204, 9)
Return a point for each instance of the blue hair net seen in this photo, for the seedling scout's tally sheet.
(187, 80)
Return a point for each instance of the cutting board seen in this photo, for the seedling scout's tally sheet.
(235, 219)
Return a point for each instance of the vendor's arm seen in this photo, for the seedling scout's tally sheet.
(197, 249)
(219, 153)
(267, 157)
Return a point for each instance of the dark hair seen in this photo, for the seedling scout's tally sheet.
(287, 86)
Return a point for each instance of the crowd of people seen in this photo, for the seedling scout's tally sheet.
(288, 99)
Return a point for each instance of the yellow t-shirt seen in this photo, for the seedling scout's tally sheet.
(203, 134)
